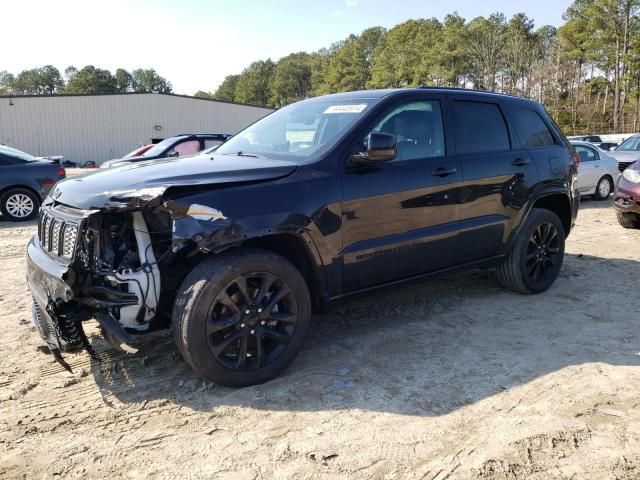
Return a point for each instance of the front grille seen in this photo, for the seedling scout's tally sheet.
(57, 236)
(622, 166)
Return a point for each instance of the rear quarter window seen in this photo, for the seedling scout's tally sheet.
(531, 129)
(479, 127)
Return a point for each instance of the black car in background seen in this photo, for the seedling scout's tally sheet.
(178, 146)
(25, 181)
(320, 200)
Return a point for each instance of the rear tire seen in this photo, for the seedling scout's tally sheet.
(628, 220)
(536, 256)
(603, 188)
(240, 318)
(19, 205)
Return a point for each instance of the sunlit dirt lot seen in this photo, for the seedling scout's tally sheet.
(453, 378)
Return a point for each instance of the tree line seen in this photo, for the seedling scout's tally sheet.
(586, 72)
(48, 80)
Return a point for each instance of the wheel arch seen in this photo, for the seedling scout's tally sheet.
(4, 190)
(299, 252)
(559, 204)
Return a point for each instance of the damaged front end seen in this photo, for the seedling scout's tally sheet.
(120, 265)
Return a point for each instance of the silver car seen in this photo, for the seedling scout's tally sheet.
(627, 152)
(598, 171)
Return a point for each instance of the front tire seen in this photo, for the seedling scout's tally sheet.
(628, 220)
(603, 188)
(19, 205)
(240, 318)
(537, 254)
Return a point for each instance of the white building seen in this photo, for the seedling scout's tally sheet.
(102, 127)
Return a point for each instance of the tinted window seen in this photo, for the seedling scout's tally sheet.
(586, 154)
(532, 130)
(479, 127)
(418, 129)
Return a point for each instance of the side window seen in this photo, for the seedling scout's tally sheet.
(187, 148)
(479, 127)
(532, 130)
(586, 154)
(418, 129)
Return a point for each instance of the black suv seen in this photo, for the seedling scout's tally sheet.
(322, 199)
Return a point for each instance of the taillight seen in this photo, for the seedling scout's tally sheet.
(61, 172)
(576, 159)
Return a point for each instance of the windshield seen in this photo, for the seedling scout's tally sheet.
(630, 144)
(159, 148)
(299, 130)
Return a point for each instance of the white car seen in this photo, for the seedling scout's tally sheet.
(598, 172)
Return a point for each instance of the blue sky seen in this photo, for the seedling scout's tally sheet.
(196, 43)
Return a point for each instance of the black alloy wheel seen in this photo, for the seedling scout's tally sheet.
(241, 317)
(252, 320)
(543, 252)
(536, 255)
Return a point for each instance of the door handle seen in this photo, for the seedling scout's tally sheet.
(443, 172)
(521, 162)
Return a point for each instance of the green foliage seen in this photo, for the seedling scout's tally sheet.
(254, 85)
(124, 81)
(291, 79)
(203, 94)
(91, 80)
(148, 81)
(227, 89)
(88, 80)
(36, 81)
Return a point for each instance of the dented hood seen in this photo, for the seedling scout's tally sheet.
(139, 183)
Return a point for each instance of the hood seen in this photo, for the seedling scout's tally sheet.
(138, 183)
(622, 156)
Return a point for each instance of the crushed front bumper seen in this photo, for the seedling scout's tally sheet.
(51, 284)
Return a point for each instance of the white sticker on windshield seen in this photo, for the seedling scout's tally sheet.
(346, 108)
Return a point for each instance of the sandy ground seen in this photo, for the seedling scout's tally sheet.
(452, 378)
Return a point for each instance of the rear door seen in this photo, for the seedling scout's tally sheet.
(497, 176)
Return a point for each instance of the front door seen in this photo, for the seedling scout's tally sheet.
(399, 217)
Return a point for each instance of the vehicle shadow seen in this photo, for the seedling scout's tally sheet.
(426, 349)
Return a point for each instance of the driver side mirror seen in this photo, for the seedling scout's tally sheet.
(381, 147)
(172, 154)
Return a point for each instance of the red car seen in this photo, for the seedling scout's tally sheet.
(138, 151)
(627, 197)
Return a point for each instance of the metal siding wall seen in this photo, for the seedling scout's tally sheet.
(108, 126)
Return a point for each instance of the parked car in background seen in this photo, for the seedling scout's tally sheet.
(594, 140)
(178, 146)
(626, 199)
(606, 146)
(627, 153)
(138, 151)
(586, 138)
(322, 199)
(25, 181)
(598, 171)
